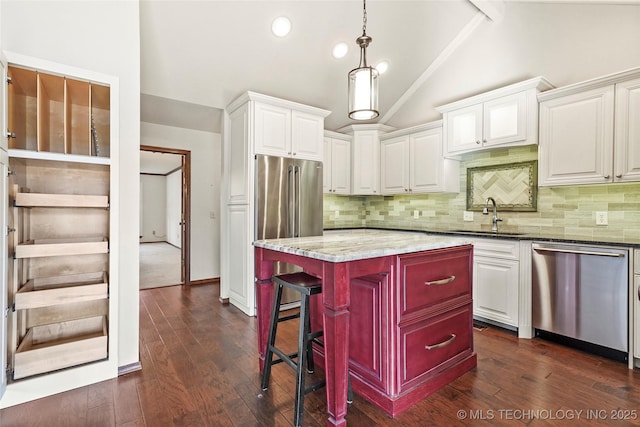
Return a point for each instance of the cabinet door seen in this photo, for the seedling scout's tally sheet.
(463, 129)
(4, 201)
(326, 166)
(307, 131)
(495, 289)
(237, 157)
(240, 256)
(627, 132)
(272, 131)
(504, 120)
(340, 166)
(4, 141)
(368, 321)
(426, 161)
(576, 138)
(365, 170)
(394, 162)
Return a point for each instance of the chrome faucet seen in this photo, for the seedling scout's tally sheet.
(495, 219)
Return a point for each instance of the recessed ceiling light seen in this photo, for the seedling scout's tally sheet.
(340, 50)
(382, 67)
(281, 26)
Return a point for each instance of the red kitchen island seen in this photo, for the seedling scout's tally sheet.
(396, 310)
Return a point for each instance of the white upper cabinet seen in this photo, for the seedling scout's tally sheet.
(337, 164)
(365, 157)
(590, 132)
(504, 117)
(272, 130)
(394, 165)
(576, 138)
(412, 162)
(287, 129)
(627, 131)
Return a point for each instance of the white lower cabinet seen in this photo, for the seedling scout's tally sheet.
(496, 281)
(240, 260)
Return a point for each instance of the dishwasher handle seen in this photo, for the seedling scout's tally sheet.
(577, 252)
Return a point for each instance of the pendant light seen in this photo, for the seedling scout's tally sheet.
(363, 81)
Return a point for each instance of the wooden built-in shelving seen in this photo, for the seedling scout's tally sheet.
(56, 114)
(51, 347)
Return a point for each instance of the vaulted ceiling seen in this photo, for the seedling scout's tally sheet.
(198, 56)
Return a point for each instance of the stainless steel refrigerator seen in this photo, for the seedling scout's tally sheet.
(288, 204)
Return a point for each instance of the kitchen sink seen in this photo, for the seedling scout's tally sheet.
(487, 233)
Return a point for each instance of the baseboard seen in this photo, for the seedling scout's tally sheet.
(127, 369)
(212, 281)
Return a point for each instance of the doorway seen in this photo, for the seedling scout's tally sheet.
(165, 216)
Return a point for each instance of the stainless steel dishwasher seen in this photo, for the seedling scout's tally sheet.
(581, 292)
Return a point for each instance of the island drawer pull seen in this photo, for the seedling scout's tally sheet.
(442, 344)
(441, 281)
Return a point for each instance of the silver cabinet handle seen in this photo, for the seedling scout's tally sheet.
(478, 141)
(441, 281)
(607, 176)
(639, 292)
(442, 344)
(619, 176)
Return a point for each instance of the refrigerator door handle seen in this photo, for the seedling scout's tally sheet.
(290, 194)
(296, 171)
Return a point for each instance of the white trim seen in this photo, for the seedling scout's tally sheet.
(494, 9)
(597, 82)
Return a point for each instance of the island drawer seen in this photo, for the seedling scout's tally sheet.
(431, 346)
(427, 280)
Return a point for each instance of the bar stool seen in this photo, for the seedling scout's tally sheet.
(306, 285)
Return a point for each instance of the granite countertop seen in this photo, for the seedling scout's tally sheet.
(563, 238)
(355, 244)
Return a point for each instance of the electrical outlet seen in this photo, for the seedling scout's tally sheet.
(337, 213)
(602, 218)
(467, 216)
(416, 214)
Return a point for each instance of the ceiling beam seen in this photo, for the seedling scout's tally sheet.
(494, 9)
(466, 31)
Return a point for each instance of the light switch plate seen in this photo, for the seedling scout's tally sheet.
(416, 214)
(467, 216)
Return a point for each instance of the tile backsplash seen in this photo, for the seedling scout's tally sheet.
(566, 210)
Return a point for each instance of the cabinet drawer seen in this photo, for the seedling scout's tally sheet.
(431, 346)
(507, 249)
(50, 347)
(428, 280)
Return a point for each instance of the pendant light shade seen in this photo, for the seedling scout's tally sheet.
(363, 81)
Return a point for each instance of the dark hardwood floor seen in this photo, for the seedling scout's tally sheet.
(200, 368)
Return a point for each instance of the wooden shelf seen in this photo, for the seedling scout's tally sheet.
(60, 247)
(53, 113)
(61, 345)
(47, 291)
(60, 200)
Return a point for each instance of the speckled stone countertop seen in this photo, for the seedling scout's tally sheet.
(350, 245)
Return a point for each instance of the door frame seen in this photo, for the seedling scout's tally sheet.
(185, 265)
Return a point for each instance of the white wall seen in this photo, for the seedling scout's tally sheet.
(566, 43)
(153, 197)
(206, 165)
(104, 37)
(173, 208)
